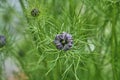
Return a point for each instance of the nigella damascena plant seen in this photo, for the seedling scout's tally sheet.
(2, 41)
(63, 41)
(35, 12)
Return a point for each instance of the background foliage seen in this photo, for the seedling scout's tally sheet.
(94, 25)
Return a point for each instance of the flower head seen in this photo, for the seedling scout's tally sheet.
(2, 41)
(35, 12)
(63, 41)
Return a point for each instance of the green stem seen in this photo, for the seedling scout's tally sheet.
(23, 8)
(114, 43)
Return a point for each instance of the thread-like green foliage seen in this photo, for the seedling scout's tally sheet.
(93, 24)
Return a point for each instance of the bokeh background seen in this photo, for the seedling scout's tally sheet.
(30, 54)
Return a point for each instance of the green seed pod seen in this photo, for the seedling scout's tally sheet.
(35, 12)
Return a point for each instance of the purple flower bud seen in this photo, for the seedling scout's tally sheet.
(63, 41)
(2, 41)
(35, 12)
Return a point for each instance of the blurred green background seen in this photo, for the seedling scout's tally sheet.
(93, 24)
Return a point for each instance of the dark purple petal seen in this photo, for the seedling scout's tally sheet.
(69, 44)
(66, 47)
(61, 36)
(69, 36)
(56, 41)
(60, 47)
(57, 38)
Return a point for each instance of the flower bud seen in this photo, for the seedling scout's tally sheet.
(35, 12)
(2, 41)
